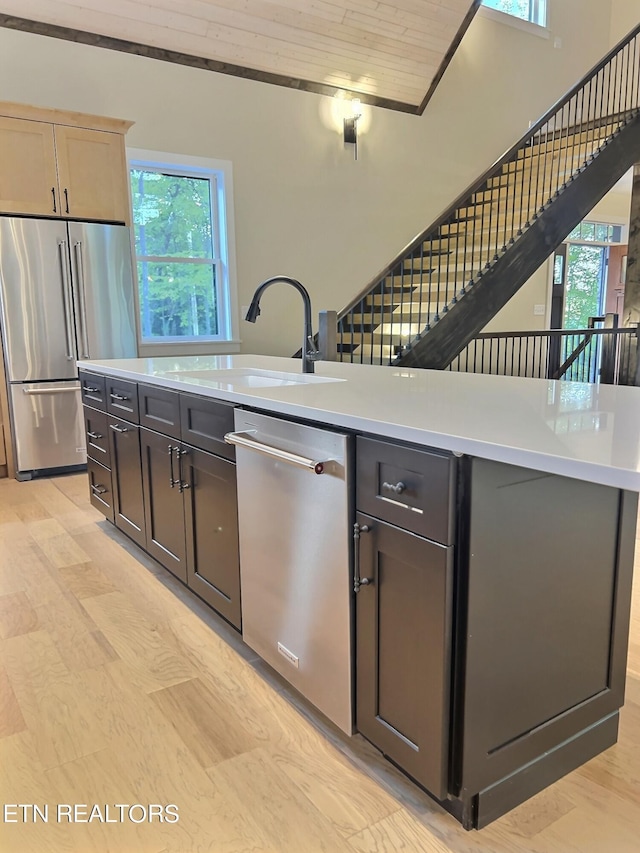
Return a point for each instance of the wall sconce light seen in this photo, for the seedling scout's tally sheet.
(351, 126)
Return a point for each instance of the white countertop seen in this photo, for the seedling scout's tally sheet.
(591, 432)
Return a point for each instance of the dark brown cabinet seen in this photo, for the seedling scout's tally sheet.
(122, 399)
(93, 390)
(160, 409)
(211, 520)
(403, 640)
(100, 493)
(97, 432)
(161, 471)
(163, 489)
(404, 606)
(192, 520)
(126, 476)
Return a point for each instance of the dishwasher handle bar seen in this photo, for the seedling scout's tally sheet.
(243, 439)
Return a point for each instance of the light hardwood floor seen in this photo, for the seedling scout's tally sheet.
(119, 687)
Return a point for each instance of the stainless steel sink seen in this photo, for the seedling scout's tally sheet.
(253, 377)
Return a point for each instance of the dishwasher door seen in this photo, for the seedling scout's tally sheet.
(294, 556)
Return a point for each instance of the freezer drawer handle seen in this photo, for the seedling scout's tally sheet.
(118, 429)
(357, 580)
(242, 439)
(35, 391)
(119, 397)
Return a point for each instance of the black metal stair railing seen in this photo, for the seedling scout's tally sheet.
(444, 262)
(604, 355)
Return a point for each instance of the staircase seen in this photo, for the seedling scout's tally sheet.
(443, 289)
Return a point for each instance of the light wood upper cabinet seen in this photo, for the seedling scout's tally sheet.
(28, 176)
(92, 174)
(56, 163)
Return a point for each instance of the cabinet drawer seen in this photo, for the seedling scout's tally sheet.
(100, 488)
(97, 430)
(205, 422)
(413, 489)
(122, 399)
(92, 387)
(159, 409)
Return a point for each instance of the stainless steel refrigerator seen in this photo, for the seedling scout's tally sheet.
(66, 294)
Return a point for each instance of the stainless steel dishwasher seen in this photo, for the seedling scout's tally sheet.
(293, 517)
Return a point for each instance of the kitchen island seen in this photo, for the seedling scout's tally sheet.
(494, 540)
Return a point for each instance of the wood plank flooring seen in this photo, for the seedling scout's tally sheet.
(117, 686)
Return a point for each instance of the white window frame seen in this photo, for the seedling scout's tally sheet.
(221, 175)
(529, 26)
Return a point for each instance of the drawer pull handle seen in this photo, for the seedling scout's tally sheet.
(398, 489)
(99, 489)
(119, 397)
(91, 389)
(95, 435)
(357, 580)
(172, 480)
(118, 429)
(182, 484)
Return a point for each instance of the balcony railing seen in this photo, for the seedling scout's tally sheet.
(606, 355)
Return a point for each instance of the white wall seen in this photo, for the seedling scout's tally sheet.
(625, 16)
(303, 207)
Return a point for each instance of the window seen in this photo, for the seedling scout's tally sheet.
(180, 216)
(534, 11)
(596, 232)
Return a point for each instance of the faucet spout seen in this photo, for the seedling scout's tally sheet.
(309, 351)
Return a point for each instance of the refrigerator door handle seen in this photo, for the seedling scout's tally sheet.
(77, 249)
(37, 391)
(66, 298)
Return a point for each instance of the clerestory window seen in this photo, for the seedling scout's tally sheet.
(534, 11)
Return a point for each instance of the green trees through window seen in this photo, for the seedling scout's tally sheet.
(586, 267)
(175, 243)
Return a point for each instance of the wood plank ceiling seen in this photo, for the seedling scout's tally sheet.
(391, 53)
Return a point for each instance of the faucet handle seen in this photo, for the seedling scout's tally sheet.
(313, 353)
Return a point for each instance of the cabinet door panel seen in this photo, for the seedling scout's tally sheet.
(124, 441)
(403, 650)
(97, 430)
(100, 492)
(159, 409)
(204, 423)
(28, 178)
(92, 386)
(163, 501)
(92, 174)
(541, 616)
(122, 398)
(213, 566)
